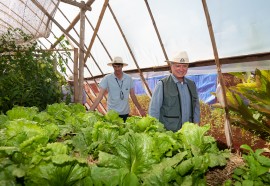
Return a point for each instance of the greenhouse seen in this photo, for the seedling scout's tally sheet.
(48, 138)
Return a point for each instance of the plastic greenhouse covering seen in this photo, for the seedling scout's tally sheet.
(27, 16)
(240, 28)
(206, 84)
(127, 29)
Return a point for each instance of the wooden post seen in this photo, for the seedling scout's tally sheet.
(227, 126)
(81, 57)
(75, 75)
(90, 55)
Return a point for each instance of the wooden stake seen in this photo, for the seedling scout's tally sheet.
(81, 57)
(131, 53)
(75, 75)
(228, 132)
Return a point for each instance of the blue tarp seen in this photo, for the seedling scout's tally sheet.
(205, 83)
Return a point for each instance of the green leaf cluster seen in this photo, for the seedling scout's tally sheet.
(67, 145)
(28, 75)
(249, 102)
(255, 171)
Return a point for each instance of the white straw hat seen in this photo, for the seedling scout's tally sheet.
(180, 57)
(117, 60)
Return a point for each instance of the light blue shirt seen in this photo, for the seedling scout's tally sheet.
(157, 99)
(114, 87)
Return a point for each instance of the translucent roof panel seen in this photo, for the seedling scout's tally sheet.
(24, 14)
(240, 27)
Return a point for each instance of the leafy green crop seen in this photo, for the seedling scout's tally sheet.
(66, 145)
(255, 171)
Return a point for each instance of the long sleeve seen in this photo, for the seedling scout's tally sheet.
(156, 101)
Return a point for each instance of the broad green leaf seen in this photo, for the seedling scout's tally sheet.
(130, 179)
(250, 102)
(263, 160)
(163, 172)
(49, 174)
(218, 159)
(110, 160)
(185, 167)
(107, 176)
(133, 152)
(248, 183)
(193, 137)
(19, 112)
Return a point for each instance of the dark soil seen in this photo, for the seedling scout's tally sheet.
(218, 176)
(239, 137)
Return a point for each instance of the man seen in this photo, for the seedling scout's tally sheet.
(68, 91)
(175, 98)
(119, 86)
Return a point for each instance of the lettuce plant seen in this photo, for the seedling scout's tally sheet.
(255, 171)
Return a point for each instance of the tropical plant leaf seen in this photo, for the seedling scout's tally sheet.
(250, 102)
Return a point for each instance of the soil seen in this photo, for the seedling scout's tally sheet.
(239, 137)
(219, 175)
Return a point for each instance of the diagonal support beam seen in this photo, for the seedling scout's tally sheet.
(55, 22)
(81, 5)
(75, 20)
(106, 2)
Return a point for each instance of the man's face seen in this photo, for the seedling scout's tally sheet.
(117, 67)
(179, 70)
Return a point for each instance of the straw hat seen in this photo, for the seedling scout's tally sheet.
(117, 60)
(180, 57)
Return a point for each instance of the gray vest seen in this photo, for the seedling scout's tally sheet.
(170, 112)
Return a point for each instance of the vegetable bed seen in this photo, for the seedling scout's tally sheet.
(66, 145)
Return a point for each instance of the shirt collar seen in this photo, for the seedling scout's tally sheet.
(176, 80)
(124, 75)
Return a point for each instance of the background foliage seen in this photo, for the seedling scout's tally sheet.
(28, 75)
(249, 102)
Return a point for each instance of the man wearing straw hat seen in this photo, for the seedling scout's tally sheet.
(119, 86)
(175, 98)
